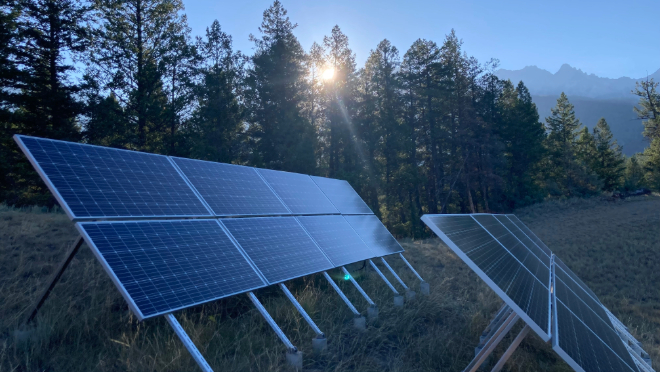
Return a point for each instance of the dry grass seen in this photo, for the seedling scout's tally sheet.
(86, 326)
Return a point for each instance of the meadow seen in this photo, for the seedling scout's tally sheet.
(85, 325)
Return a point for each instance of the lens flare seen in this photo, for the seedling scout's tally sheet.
(328, 74)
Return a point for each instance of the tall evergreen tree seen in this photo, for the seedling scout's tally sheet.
(281, 135)
(134, 43)
(216, 125)
(649, 110)
(608, 160)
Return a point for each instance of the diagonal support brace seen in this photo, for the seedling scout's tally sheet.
(504, 328)
(271, 323)
(300, 309)
(514, 345)
(56, 277)
(373, 265)
(341, 294)
(362, 292)
(394, 273)
(187, 342)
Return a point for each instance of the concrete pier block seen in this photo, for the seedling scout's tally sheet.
(372, 313)
(425, 288)
(398, 301)
(410, 295)
(360, 323)
(319, 344)
(295, 360)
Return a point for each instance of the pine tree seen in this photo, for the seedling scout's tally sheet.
(135, 40)
(282, 137)
(649, 110)
(215, 128)
(633, 174)
(608, 160)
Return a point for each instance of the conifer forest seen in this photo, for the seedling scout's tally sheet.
(422, 129)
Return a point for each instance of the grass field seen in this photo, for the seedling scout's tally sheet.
(85, 325)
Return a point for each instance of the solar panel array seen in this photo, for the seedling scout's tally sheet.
(506, 254)
(305, 225)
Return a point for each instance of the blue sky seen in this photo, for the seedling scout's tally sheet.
(607, 38)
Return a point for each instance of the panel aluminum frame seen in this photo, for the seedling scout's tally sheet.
(67, 209)
(122, 290)
(523, 315)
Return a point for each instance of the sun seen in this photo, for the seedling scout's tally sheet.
(328, 74)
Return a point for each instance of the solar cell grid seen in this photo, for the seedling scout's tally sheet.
(231, 190)
(298, 192)
(374, 234)
(576, 279)
(515, 247)
(497, 267)
(162, 266)
(278, 246)
(527, 242)
(100, 182)
(342, 196)
(529, 234)
(581, 348)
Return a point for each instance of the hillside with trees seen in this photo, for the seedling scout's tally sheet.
(428, 130)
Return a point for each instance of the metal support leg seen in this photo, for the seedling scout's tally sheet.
(362, 292)
(424, 287)
(394, 273)
(301, 310)
(373, 265)
(271, 322)
(341, 294)
(411, 268)
(187, 342)
(514, 345)
(490, 345)
(56, 277)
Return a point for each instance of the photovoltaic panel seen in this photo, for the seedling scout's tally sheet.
(581, 348)
(100, 182)
(528, 296)
(535, 266)
(575, 278)
(298, 192)
(231, 190)
(278, 246)
(337, 239)
(527, 242)
(529, 234)
(342, 196)
(162, 266)
(583, 335)
(374, 234)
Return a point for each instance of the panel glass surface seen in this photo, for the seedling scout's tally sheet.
(168, 265)
(231, 190)
(374, 234)
(527, 242)
(573, 339)
(298, 192)
(279, 247)
(575, 278)
(515, 247)
(96, 182)
(496, 266)
(342, 195)
(337, 239)
(529, 234)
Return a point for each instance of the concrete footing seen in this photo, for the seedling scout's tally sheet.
(295, 360)
(360, 323)
(372, 313)
(410, 295)
(398, 301)
(319, 344)
(425, 288)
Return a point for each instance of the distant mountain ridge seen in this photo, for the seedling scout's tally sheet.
(573, 82)
(593, 97)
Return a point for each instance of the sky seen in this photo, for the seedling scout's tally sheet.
(608, 38)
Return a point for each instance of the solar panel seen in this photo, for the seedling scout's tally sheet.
(342, 196)
(582, 337)
(527, 242)
(162, 266)
(231, 190)
(529, 234)
(527, 295)
(515, 247)
(298, 192)
(576, 279)
(278, 246)
(100, 182)
(374, 234)
(337, 239)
